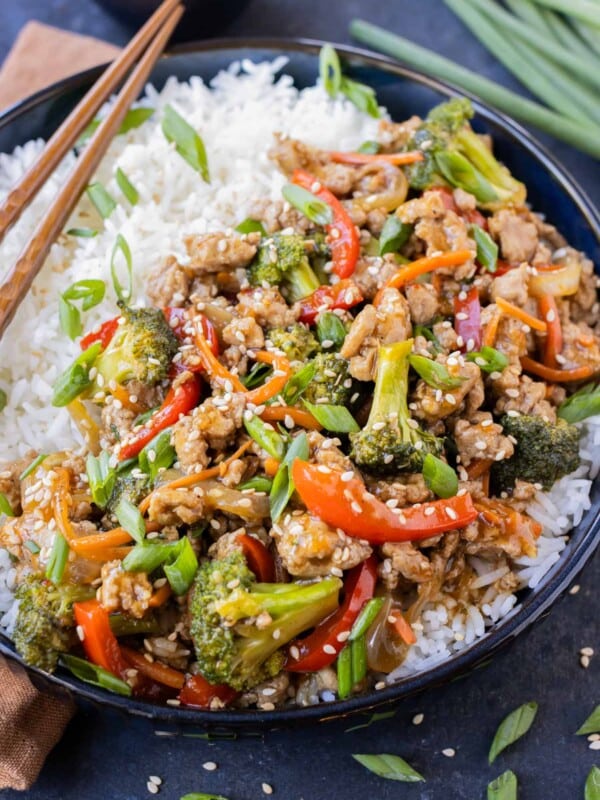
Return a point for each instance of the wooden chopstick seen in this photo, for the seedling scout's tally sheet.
(31, 259)
(70, 130)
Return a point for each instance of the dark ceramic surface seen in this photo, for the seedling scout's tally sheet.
(392, 738)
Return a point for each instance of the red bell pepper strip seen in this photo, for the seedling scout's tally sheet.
(467, 319)
(342, 236)
(208, 329)
(180, 400)
(260, 561)
(103, 334)
(321, 647)
(198, 692)
(349, 506)
(470, 215)
(99, 642)
(344, 294)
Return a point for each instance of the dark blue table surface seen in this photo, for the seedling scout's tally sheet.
(104, 756)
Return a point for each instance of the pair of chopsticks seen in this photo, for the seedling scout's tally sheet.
(145, 48)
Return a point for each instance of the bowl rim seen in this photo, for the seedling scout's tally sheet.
(537, 602)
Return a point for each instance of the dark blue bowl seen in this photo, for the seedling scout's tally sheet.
(551, 191)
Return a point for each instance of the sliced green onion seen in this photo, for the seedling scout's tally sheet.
(75, 379)
(487, 249)
(33, 466)
(389, 766)
(581, 405)
(333, 418)
(251, 226)
(187, 142)
(427, 333)
(95, 675)
(102, 200)
(512, 727)
(128, 189)
(144, 417)
(369, 147)
(394, 234)
(433, 373)
(298, 383)
(181, 572)
(202, 795)
(257, 375)
(592, 784)
(260, 483)
(591, 725)
(5, 506)
(58, 559)
(159, 454)
(330, 70)
(331, 331)
(439, 476)
(488, 359)
(344, 673)
(363, 97)
(366, 618)
(91, 292)
(504, 787)
(283, 485)
(358, 652)
(82, 233)
(3, 400)
(133, 119)
(121, 246)
(101, 478)
(130, 519)
(146, 557)
(309, 204)
(266, 436)
(32, 546)
(376, 717)
(459, 172)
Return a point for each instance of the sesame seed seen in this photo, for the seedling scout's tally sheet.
(294, 652)
(450, 399)
(347, 476)
(343, 636)
(380, 685)
(418, 719)
(551, 315)
(152, 787)
(80, 633)
(449, 752)
(329, 649)
(595, 745)
(429, 511)
(584, 661)
(587, 651)
(209, 766)
(574, 589)
(594, 737)
(355, 507)
(461, 315)
(155, 779)
(327, 343)
(268, 706)
(173, 701)
(379, 426)
(325, 470)
(392, 502)
(267, 788)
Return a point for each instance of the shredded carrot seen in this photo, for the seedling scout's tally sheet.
(196, 477)
(478, 468)
(518, 313)
(554, 339)
(103, 539)
(397, 159)
(491, 331)
(402, 627)
(103, 554)
(155, 670)
(300, 416)
(411, 271)
(557, 375)
(281, 366)
(212, 364)
(160, 597)
(271, 466)
(122, 394)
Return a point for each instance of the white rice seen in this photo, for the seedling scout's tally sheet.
(237, 117)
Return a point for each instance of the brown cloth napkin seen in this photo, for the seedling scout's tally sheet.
(32, 722)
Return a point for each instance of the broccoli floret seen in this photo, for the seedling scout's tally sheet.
(544, 452)
(129, 487)
(45, 627)
(142, 348)
(233, 620)
(297, 342)
(332, 382)
(455, 154)
(391, 441)
(282, 260)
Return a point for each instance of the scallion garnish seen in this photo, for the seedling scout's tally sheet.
(121, 246)
(333, 418)
(439, 476)
(3, 400)
(33, 466)
(82, 233)
(251, 226)
(260, 483)
(283, 485)
(487, 249)
(331, 331)
(592, 785)
(58, 559)
(504, 787)
(101, 478)
(389, 766)
(433, 373)
(394, 234)
(366, 617)
(265, 436)
(133, 119)
(344, 673)
(488, 359)
(177, 558)
(76, 378)
(314, 209)
(369, 147)
(91, 292)
(202, 795)
(125, 185)
(376, 717)
(102, 200)
(584, 403)
(157, 455)
(512, 727)
(5, 506)
(257, 375)
(32, 546)
(131, 519)
(95, 675)
(330, 70)
(181, 572)
(298, 383)
(187, 142)
(592, 724)
(335, 83)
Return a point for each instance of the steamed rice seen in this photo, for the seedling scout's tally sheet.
(237, 116)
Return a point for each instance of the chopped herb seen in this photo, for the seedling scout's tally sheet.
(515, 725)
(487, 249)
(128, 189)
(102, 200)
(33, 466)
(504, 787)
(95, 675)
(187, 142)
(91, 292)
(333, 418)
(389, 766)
(121, 246)
(309, 204)
(376, 717)
(592, 723)
(439, 476)
(393, 235)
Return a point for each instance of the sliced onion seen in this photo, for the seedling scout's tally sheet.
(559, 280)
(392, 196)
